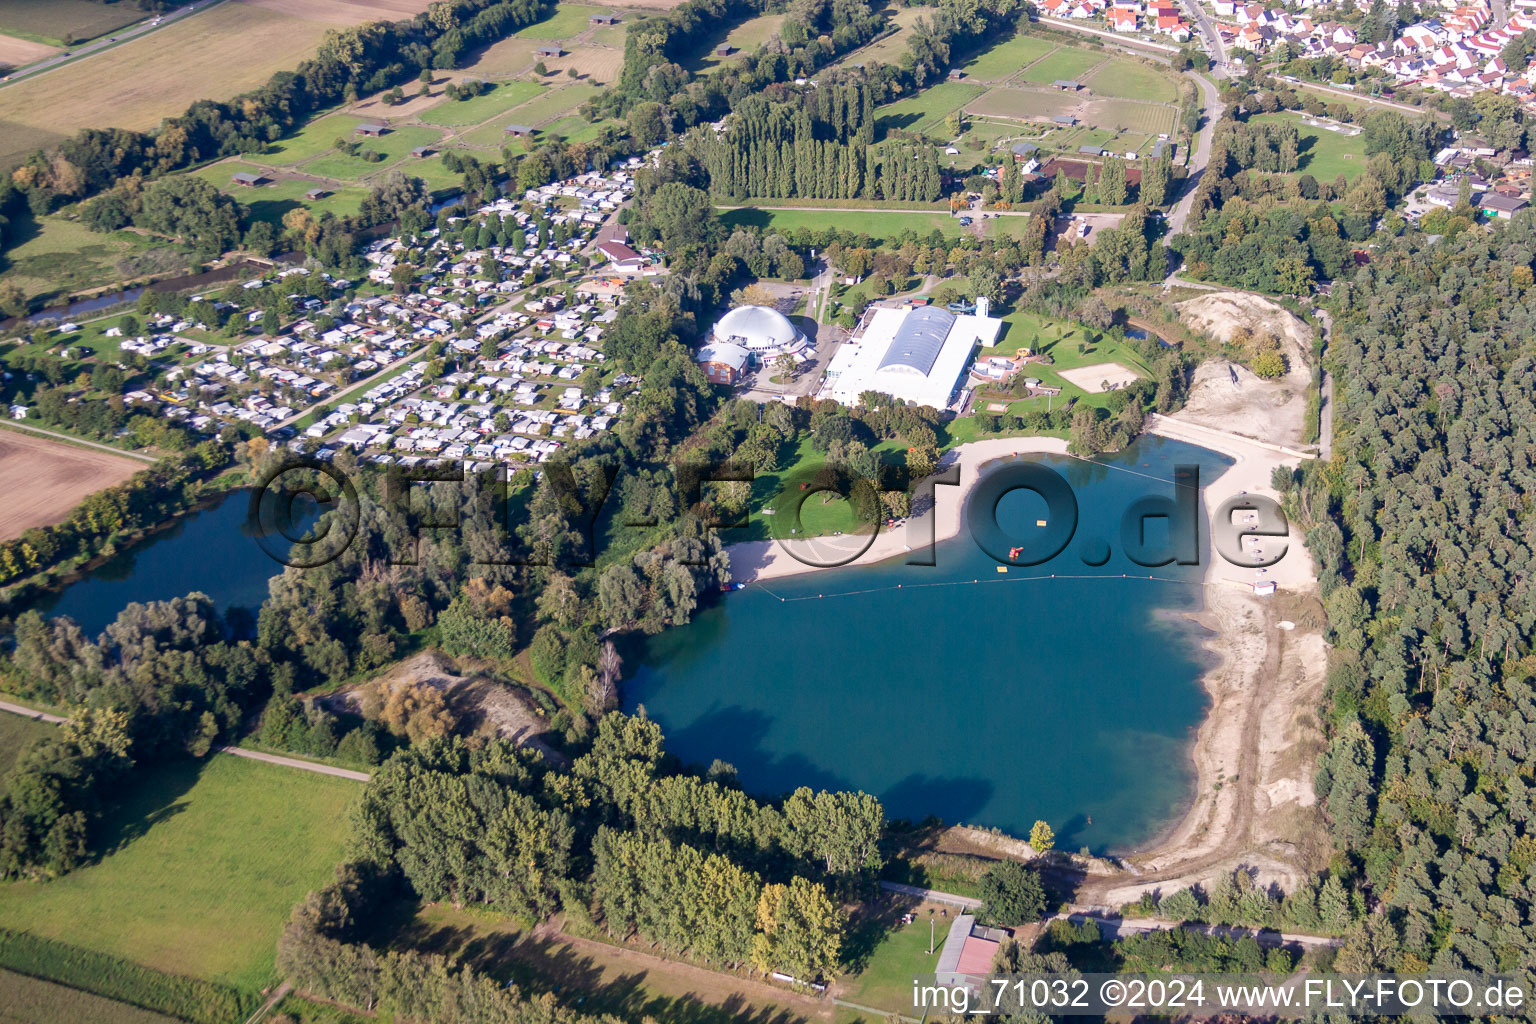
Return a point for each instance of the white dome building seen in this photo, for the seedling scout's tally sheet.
(759, 330)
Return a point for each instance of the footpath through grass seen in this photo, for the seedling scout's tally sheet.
(205, 863)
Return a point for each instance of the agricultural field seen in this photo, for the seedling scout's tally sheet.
(57, 257)
(877, 224)
(43, 479)
(1132, 81)
(32, 1001)
(745, 38)
(205, 862)
(1065, 62)
(14, 51)
(1325, 154)
(64, 22)
(220, 52)
(925, 112)
(1005, 59)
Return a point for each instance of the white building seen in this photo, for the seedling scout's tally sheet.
(914, 355)
(760, 330)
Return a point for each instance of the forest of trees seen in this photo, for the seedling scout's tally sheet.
(621, 839)
(1419, 528)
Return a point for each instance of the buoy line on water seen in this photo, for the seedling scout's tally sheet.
(965, 583)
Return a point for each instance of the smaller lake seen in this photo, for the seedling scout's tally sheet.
(211, 550)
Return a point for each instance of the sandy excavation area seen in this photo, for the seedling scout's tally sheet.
(43, 479)
(1229, 397)
(482, 705)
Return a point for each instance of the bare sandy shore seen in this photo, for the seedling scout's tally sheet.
(1252, 773)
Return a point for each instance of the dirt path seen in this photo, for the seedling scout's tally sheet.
(11, 424)
(252, 755)
(276, 997)
(293, 762)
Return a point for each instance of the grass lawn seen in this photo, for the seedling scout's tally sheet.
(564, 21)
(1066, 62)
(887, 49)
(58, 256)
(574, 129)
(270, 202)
(395, 146)
(314, 138)
(25, 1000)
(1324, 154)
(205, 862)
(745, 38)
(502, 97)
(818, 517)
(885, 982)
(926, 111)
(1005, 59)
(1131, 115)
(16, 732)
(880, 225)
(65, 22)
(510, 56)
(1132, 81)
(551, 104)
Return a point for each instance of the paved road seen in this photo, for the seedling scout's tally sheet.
(75, 440)
(252, 755)
(1116, 37)
(1213, 44)
(1500, 15)
(90, 49)
(1201, 158)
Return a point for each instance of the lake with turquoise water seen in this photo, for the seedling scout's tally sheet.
(991, 703)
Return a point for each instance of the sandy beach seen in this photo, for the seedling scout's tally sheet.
(1248, 777)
